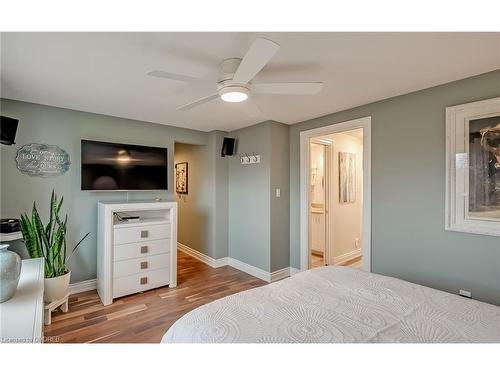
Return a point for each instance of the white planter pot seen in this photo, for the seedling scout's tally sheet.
(56, 287)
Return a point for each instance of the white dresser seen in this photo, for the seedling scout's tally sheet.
(136, 256)
(21, 317)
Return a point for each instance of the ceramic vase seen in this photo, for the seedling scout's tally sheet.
(10, 270)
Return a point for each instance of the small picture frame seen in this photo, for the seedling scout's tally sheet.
(181, 178)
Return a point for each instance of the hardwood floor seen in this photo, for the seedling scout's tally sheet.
(354, 263)
(317, 261)
(145, 317)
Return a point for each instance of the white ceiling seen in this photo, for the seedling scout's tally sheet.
(106, 72)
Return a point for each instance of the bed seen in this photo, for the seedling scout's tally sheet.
(339, 305)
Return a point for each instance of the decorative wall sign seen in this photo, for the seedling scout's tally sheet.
(39, 160)
(181, 178)
(347, 176)
(473, 167)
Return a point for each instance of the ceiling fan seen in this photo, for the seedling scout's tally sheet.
(234, 83)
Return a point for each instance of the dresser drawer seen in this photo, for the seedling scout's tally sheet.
(141, 233)
(140, 249)
(139, 265)
(140, 282)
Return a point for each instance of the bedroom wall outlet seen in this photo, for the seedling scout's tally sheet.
(278, 192)
(465, 293)
(356, 243)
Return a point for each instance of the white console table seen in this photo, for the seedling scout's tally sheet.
(21, 317)
(135, 256)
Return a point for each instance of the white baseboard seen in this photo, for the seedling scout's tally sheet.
(280, 274)
(82, 286)
(85, 286)
(251, 270)
(214, 263)
(347, 257)
(235, 263)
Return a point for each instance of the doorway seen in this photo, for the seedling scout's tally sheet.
(335, 195)
(319, 196)
(189, 185)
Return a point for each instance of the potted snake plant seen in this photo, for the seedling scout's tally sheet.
(49, 242)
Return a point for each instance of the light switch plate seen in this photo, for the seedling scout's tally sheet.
(278, 192)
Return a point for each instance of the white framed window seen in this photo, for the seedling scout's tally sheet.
(473, 167)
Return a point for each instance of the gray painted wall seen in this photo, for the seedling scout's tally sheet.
(258, 220)
(220, 180)
(249, 199)
(194, 208)
(408, 192)
(65, 128)
(280, 207)
(203, 212)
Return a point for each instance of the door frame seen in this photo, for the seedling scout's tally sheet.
(327, 172)
(364, 123)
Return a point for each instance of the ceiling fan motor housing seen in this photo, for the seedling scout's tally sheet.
(226, 85)
(227, 69)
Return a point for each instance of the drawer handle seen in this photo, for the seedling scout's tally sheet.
(144, 234)
(144, 280)
(144, 249)
(144, 265)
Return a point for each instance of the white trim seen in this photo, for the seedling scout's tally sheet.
(82, 286)
(346, 257)
(214, 263)
(294, 271)
(328, 194)
(269, 277)
(251, 270)
(238, 264)
(305, 136)
(280, 274)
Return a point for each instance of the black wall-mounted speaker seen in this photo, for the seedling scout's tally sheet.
(8, 129)
(228, 147)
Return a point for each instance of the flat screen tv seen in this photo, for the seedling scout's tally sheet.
(116, 166)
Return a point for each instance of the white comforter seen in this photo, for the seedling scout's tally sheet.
(339, 304)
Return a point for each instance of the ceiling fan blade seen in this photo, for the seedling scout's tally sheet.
(259, 54)
(173, 76)
(288, 88)
(198, 102)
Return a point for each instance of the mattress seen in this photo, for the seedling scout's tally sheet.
(339, 305)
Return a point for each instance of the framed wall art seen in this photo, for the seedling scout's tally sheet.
(181, 178)
(473, 167)
(347, 177)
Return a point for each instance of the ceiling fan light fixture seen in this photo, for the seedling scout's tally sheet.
(234, 94)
